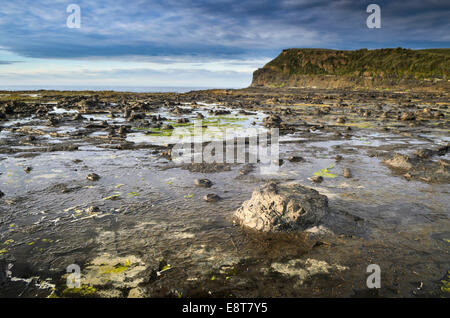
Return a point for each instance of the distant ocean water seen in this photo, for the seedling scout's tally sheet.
(134, 89)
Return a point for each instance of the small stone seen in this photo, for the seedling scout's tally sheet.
(78, 116)
(316, 179)
(182, 120)
(28, 169)
(407, 176)
(93, 209)
(167, 127)
(30, 138)
(340, 120)
(205, 183)
(278, 162)
(245, 170)
(338, 158)
(93, 177)
(407, 116)
(347, 173)
(211, 197)
(122, 130)
(295, 159)
(1, 194)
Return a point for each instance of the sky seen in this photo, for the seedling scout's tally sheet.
(194, 43)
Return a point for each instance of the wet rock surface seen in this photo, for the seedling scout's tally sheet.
(145, 227)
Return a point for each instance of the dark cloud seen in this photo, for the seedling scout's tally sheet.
(216, 28)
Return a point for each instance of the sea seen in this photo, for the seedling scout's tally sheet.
(134, 89)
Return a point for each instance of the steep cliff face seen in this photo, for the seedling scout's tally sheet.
(383, 68)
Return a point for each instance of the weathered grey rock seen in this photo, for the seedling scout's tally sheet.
(400, 161)
(277, 208)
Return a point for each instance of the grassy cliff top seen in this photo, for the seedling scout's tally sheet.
(399, 62)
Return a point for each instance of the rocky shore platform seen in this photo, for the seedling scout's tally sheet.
(92, 180)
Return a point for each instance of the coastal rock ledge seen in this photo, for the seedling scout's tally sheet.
(282, 208)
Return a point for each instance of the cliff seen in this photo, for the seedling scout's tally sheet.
(373, 69)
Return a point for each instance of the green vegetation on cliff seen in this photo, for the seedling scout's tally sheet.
(391, 63)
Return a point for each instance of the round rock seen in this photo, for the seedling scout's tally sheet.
(93, 177)
(278, 208)
(211, 197)
(205, 183)
(316, 179)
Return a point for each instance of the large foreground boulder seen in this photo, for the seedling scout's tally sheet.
(277, 208)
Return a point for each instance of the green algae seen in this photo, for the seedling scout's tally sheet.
(83, 291)
(158, 132)
(325, 172)
(112, 197)
(225, 118)
(114, 269)
(446, 284)
(362, 125)
(8, 242)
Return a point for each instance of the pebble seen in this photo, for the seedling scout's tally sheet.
(93, 177)
(211, 197)
(316, 179)
(205, 183)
